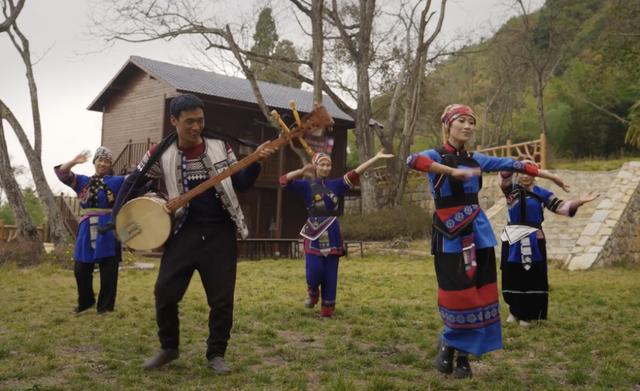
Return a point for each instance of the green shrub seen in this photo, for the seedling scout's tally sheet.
(408, 221)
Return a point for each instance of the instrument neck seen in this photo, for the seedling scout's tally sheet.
(184, 199)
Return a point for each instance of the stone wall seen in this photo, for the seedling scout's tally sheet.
(612, 234)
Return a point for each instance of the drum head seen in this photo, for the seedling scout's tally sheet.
(143, 223)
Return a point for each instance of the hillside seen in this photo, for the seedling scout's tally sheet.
(588, 51)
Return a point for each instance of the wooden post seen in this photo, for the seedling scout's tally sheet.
(543, 151)
(1, 230)
(281, 158)
(129, 154)
(508, 154)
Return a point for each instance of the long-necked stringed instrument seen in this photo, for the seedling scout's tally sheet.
(144, 223)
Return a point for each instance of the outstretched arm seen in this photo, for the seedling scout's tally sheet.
(63, 171)
(554, 178)
(492, 163)
(365, 166)
(297, 174)
(569, 208)
(425, 164)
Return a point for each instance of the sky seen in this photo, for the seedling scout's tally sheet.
(73, 67)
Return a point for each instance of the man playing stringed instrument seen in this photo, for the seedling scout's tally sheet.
(203, 236)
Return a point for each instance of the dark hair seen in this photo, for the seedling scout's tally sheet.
(185, 102)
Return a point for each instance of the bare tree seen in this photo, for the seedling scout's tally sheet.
(142, 21)
(542, 51)
(33, 153)
(21, 43)
(26, 230)
(315, 12)
(54, 215)
(408, 91)
(11, 12)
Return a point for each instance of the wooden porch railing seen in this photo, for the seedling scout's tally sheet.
(130, 156)
(70, 208)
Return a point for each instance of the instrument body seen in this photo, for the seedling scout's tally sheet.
(144, 223)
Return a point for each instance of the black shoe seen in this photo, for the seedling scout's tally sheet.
(163, 357)
(444, 358)
(218, 365)
(463, 368)
(104, 312)
(78, 310)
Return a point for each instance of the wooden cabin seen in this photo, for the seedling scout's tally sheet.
(135, 114)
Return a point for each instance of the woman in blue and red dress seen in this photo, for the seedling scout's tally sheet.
(95, 241)
(323, 244)
(525, 284)
(463, 242)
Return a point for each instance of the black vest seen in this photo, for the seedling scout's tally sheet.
(458, 196)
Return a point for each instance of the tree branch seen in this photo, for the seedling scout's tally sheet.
(12, 15)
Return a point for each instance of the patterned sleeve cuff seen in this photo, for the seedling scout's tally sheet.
(530, 169)
(283, 180)
(66, 177)
(506, 178)
(419, 162)
(352, 178)
(564, 208)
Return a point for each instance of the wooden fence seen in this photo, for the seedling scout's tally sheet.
(535, 149)
(70, 208)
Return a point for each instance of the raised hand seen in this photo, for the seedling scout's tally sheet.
(588, 197)
(382, 155)
(308, 170)
(464, 174)
(81, 157)
(558, 181)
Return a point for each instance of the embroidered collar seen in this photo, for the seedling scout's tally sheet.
(451, 149)
(195, 151)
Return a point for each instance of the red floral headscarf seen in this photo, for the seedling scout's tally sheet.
(318, 156)
(454, 111)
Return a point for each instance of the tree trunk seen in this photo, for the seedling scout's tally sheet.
(25, 229)
(364, 136)
(364, 142)
(55, 220)
(539, 92)
(387, 137)
(317, 9)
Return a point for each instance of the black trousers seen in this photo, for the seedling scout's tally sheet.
(108, 283)
(212, 251)
(526, 291)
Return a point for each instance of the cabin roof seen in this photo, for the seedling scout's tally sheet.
(197, 81)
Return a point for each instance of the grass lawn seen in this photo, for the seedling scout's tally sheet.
(382, 337)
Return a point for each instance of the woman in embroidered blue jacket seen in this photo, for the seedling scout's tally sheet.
(323, 244)
(95, 241)
(525, 284)
(462, 244)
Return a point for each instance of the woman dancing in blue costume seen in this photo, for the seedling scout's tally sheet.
(462, 244)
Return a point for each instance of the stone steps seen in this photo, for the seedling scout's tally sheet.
(569, 239)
